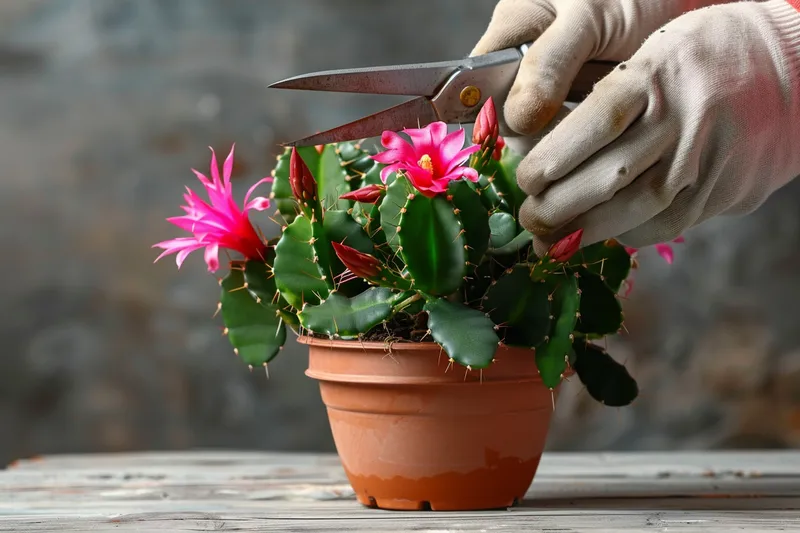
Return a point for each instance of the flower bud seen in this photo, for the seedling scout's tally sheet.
(562, 250)
(361, 264)
(304, 186)
(498, 148)
(366, 195)
(486, 129)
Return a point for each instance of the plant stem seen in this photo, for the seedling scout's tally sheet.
(408, 301)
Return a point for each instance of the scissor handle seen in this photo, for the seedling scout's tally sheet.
(590, 73)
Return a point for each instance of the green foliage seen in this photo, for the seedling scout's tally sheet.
(303, 264)
(260, 283)
(601, 313)
(368, 216)
(520, 306)
(552, 355)
(340, 227)
(606, 380)
(461, 258)
(503, 228)
(332, 180)
(357, 163)
(473, 216)
(391, 206)
(348, 318)
(465, 334)
(281, 189)
(432, 244)
(607, 259)
(255, 330)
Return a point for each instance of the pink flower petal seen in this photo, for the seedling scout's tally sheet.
(211, 257)
(215, 169)
(397, 149)
(665, 251)
(428, 138)
(259, 203)
(451, 146)
(461, 157)
(386, 171)
(268, 179)
(227, 167)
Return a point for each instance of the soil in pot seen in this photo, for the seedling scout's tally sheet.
(415, 431)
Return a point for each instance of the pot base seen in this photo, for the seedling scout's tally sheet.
(484, 489)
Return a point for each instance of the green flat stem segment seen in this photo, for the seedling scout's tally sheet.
(520, 306)
(465, 334)
(606, 380)
(302, 263)
(260, 284)
(474, 218)
(607, 259)
(340, 227)
(256, 331)
(601, 312)
(503, 229)
(390, 209)
(348, 318)
(332, 180)
(432, 244)
(552, 355)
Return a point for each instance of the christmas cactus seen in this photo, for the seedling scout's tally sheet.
(419, 242)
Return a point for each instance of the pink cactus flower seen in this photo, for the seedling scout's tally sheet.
(218, 225)
(431, 161)
(664, 250)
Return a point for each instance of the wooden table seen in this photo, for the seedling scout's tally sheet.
(252, 491)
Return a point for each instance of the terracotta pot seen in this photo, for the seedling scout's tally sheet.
(414, 432)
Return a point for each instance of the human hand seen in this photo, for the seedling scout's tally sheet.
(703, 120)
(566, 34)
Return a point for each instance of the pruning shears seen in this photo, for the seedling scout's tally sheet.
(447, 91)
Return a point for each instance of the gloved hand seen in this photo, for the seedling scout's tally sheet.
(703, 120)
(567, 33)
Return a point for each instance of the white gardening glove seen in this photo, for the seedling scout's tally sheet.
(567, 33)
(703, 120)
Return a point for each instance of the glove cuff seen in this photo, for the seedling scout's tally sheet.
(785, 15)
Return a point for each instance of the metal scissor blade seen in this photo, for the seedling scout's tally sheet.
(411, 114)
(420, 79)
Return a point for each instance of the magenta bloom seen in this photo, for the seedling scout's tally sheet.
(663, 249)
(431, 161)
(220, 224)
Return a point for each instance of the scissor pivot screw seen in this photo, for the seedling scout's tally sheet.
(470, 96)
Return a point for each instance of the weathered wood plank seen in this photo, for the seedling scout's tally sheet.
(255, 491)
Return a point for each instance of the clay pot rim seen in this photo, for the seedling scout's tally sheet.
(398, 345)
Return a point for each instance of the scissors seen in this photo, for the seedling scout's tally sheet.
(447, 91)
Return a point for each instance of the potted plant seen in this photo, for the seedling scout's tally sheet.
(438, 338)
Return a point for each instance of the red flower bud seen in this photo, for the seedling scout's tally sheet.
(361, 264)
(304, 186)
(498, 148)
(566, 247)
(366, 195)
(486, 129)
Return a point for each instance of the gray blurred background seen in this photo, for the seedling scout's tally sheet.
(104, 107)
